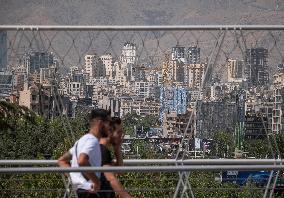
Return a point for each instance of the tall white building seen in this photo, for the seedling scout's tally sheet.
(124, 70)
(128, 54)
(90, 64)
(278, 103)
(107, 60)
(194, 74)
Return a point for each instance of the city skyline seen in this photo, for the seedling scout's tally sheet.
(130, 86)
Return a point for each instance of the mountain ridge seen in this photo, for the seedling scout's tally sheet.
(154, 12)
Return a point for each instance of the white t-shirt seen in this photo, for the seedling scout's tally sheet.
(89, 145)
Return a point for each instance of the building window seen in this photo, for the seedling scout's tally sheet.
(34, 97)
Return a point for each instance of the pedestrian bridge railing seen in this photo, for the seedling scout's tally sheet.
(147, 177)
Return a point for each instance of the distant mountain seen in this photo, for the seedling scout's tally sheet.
(135, 12)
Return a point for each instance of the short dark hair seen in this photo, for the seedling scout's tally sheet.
(98, 114)
(109, 112)
(115, 121)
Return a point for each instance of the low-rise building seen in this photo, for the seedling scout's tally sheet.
(36, 99)
(140, 106)
(174, 125)
(43, 101)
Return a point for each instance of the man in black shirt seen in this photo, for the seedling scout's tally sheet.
(106, 189)
(109, 182)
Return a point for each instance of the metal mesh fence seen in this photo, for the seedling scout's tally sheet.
(70, 47)
(192, 79)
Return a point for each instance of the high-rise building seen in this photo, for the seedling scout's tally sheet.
(235, 70)
(178, 54)
(215, 116)
(34, 61)
(128, 54)
(194, 74)
(256, 66)
(94, 66)
(120, 74)
(193, 55)
(173, 99)
(166, 75)
(278, 100)
(176, 71)
(3, 50)
(180, 100)
(89, 64)
(129, 70)
(126, 68)
(108, 64)
(190, 55)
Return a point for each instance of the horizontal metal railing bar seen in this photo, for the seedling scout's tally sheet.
(141, 168)
(121, 179)
(27, 162)
(129, 189)
(140, 28)
(59, 190)
(161, 162)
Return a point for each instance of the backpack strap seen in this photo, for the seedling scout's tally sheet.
(76, 155)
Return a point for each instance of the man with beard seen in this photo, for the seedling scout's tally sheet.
(87, 152)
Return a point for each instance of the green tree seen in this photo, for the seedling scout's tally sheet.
(10, 113)
(223, 144)
(133, 120)
(257, 148)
